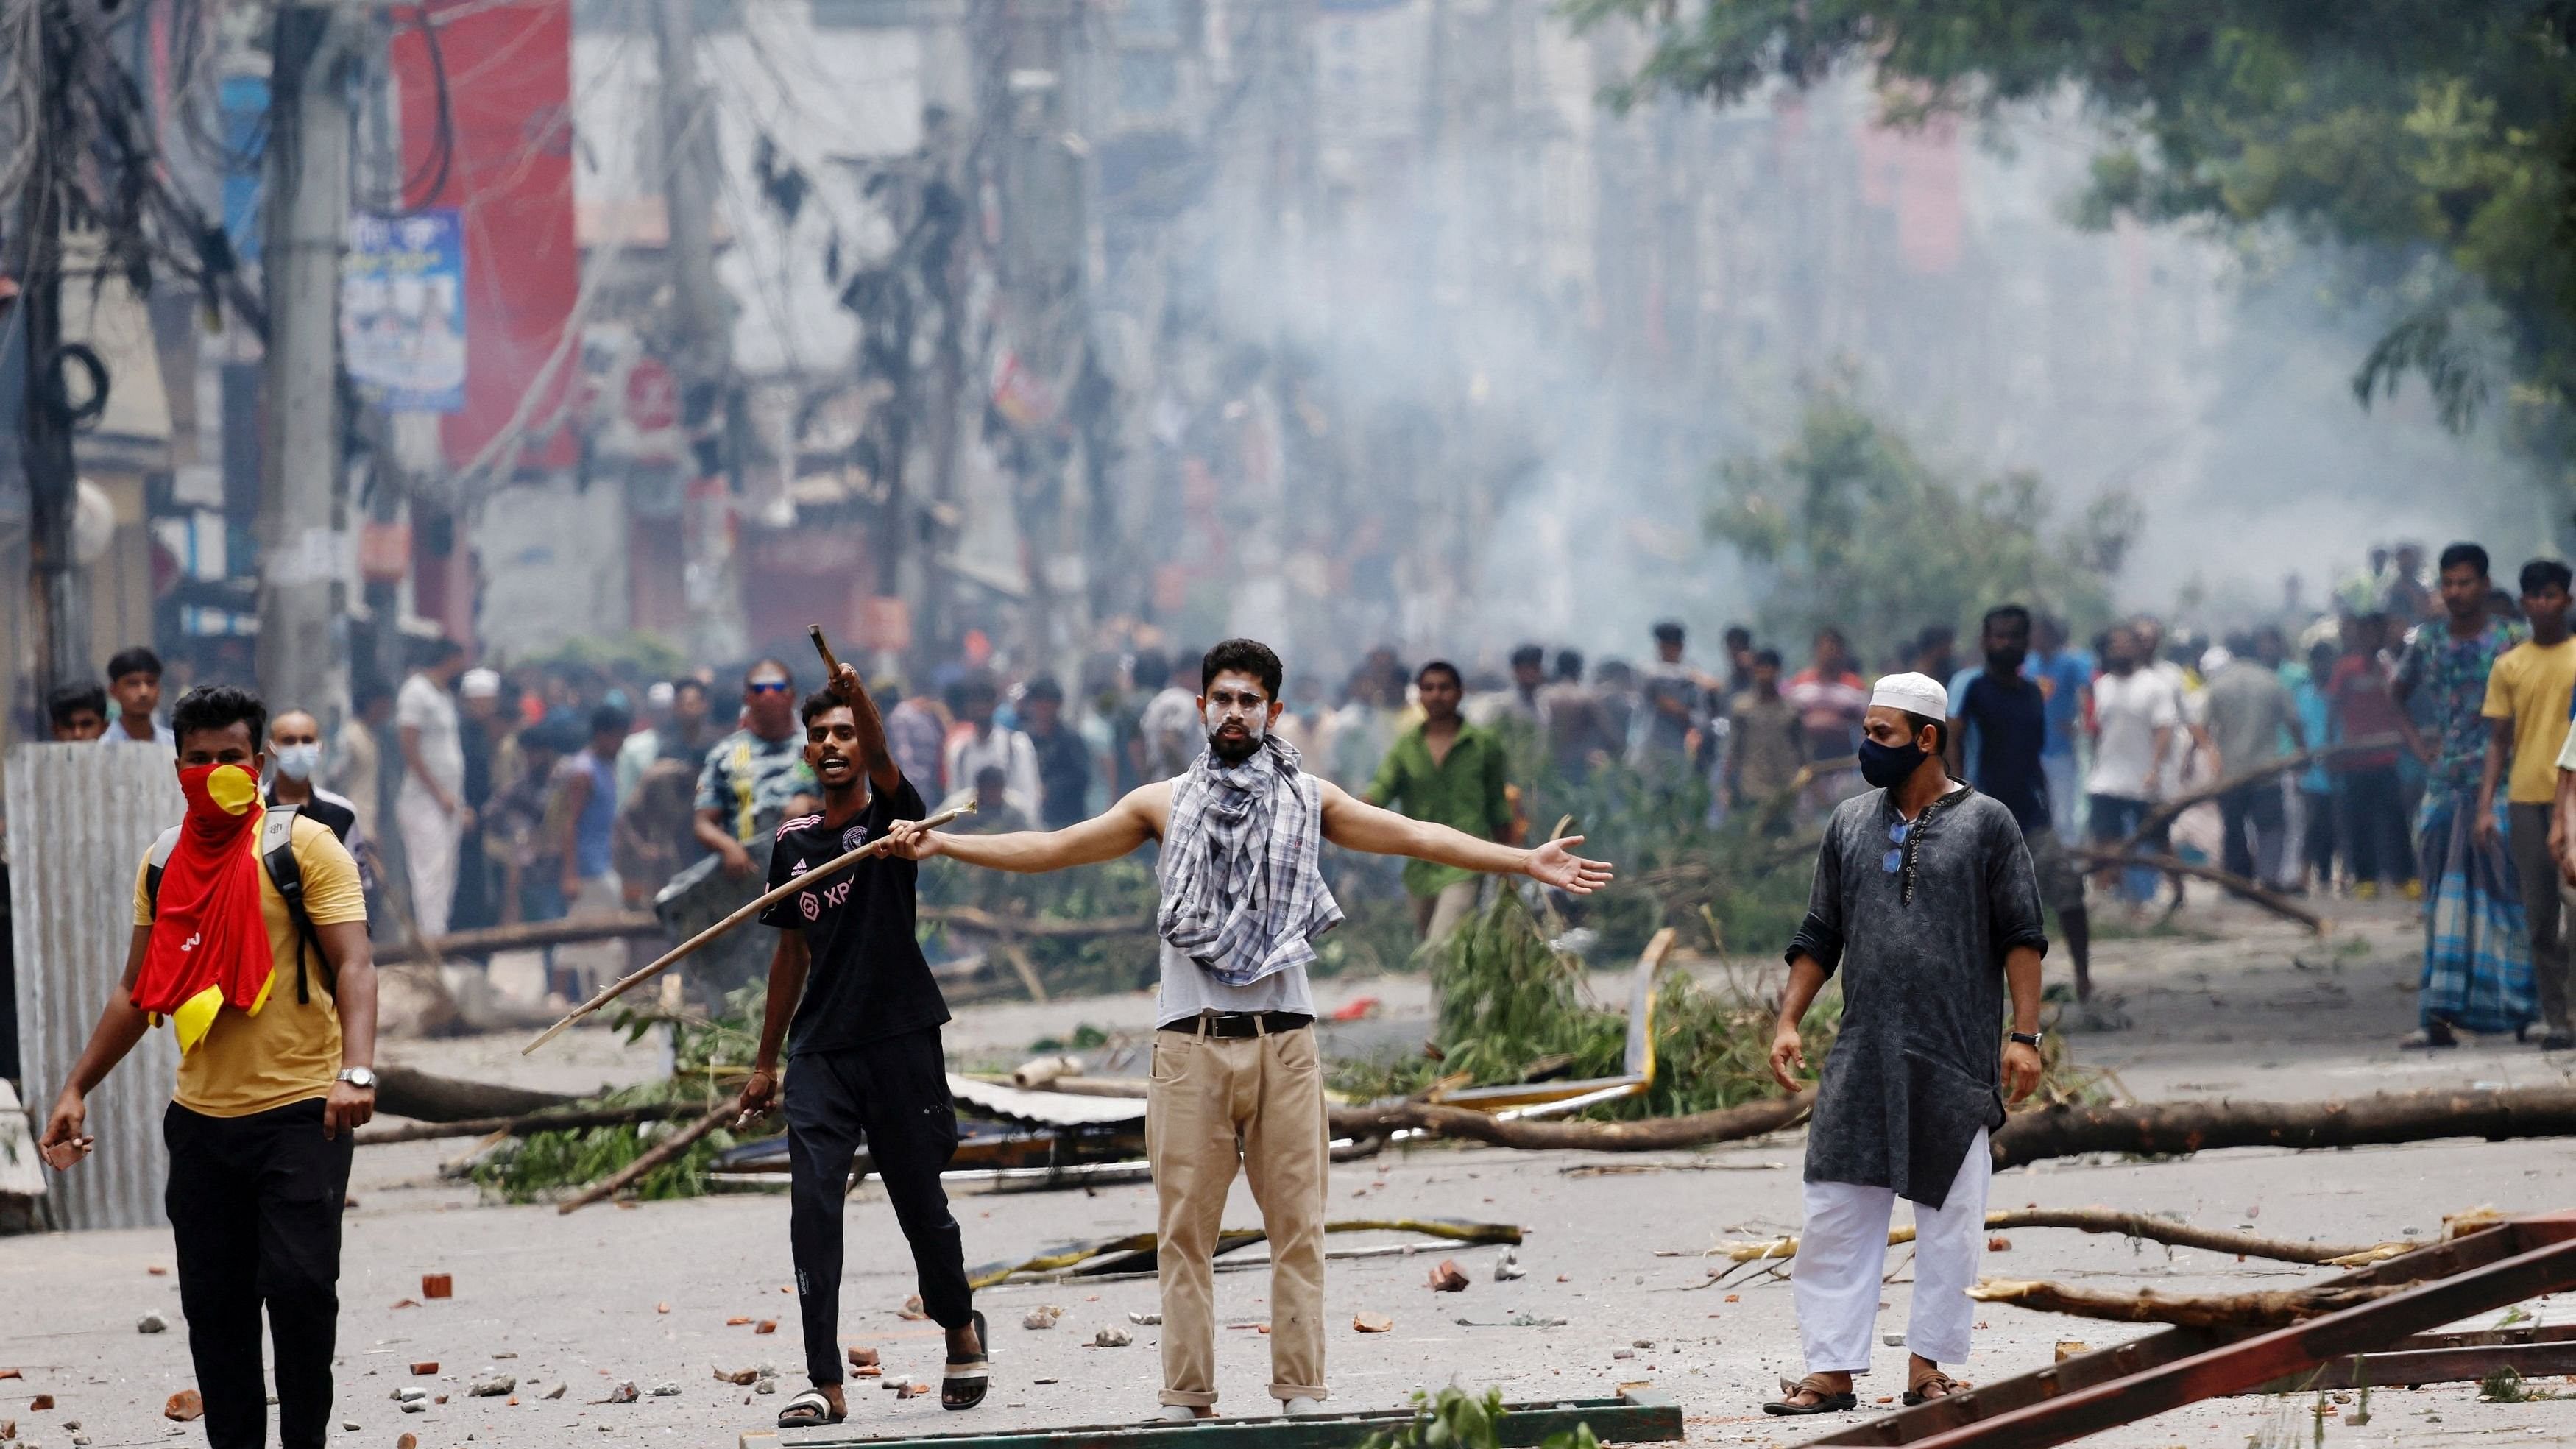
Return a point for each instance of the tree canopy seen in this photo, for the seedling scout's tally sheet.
(1857, 530)
(2432, 143)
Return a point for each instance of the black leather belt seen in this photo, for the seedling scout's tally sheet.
(1234, 1025)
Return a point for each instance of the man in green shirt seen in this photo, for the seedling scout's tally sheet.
(1449, 772)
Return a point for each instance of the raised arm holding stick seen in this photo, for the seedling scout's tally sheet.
(854, 1008)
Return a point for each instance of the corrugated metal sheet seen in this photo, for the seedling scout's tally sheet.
(80, 818)
(1045, 1109)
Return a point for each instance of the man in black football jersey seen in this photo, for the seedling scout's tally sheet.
(851, 995)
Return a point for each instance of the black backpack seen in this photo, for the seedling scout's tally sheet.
(277, 853)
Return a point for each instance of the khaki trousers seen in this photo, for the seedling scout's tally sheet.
(1438, 914)
(1257, 1101)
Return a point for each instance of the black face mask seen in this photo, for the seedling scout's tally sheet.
(1886, 766)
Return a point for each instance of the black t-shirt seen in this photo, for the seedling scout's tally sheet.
(2011, 721)
(1064, 777)
(867, 980)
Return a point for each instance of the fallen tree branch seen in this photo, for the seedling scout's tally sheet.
(2164, 1128)
(537, 935)
(652, 1157)
(527, 936)
(1726, 1124)
(403, 1092)
(524, 1124)
(1135, 1251)
(2111, 1220)
(2171, 810)
(2270, 1308)
(2233, 884)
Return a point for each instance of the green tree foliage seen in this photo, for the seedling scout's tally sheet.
(2432, 141)
(1859, 531)
(1456, 1419)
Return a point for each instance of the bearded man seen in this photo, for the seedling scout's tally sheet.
(1237, 1081)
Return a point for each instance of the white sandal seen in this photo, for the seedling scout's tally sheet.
(808, 1410)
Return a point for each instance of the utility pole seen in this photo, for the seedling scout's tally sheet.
(303, 530)
(61, 593)
(703, 328)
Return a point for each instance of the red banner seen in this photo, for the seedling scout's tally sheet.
(500, 150)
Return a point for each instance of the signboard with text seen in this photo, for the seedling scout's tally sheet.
(402, 310)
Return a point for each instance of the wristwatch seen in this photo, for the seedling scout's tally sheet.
(362, 1078)
(2027, 1038)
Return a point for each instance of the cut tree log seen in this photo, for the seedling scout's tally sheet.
(403, 1092)
(2273, 1308)
(2152, 1129)
(2233, 884)
(537, 935)
(2165, 1128)
(522, 1125)
(1726, 1124)
(528, 936)
(2112, 1220)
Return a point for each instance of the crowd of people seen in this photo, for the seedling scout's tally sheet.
(477, 798)
(560, 791)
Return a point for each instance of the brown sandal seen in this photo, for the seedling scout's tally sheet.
(1941, 1385)
(1828, 1399)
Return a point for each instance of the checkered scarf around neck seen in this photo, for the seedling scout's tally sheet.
(1243, 893)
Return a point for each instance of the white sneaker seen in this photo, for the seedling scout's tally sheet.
(1300, 1408)
(1176, 1414)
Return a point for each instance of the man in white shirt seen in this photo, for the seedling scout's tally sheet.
(430, 806)
(986, 745)
(2136, 714)
(134, 681)
(1237, 1083)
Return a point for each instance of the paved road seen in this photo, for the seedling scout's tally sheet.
(576, 1300)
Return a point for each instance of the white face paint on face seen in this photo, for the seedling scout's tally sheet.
(1253, 723)
(1236, 714)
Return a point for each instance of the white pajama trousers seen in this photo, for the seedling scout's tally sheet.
(1842, 1256)
(430, 837)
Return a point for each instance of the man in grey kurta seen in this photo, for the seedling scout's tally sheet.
(1925, 899)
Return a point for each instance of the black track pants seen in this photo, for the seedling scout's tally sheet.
(893, 1096)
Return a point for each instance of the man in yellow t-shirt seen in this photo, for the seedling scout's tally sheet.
(2527, 694)
(260, 1127)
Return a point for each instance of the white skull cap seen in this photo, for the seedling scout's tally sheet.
(479, 684)
(1914, 693)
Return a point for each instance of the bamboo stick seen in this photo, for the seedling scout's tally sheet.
(746, 912)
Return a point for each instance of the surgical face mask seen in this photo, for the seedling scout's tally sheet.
(297, 762)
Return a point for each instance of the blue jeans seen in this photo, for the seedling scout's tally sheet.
(2113, 818)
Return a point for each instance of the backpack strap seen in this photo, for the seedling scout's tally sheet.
(154, 862)
(286, 873)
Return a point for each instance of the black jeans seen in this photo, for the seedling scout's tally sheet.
(254, 1206)
(2320, 851)
(894, 1095)
(2370, 806)
(2254, 819)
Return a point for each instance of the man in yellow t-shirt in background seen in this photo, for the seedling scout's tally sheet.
(2527, 695)
(260, 1127)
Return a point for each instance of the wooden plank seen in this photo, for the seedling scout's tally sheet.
(2405, 1369)
(2082, 1371)
(2120, 1362)
(1637, 1417)
(2232, 1368)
